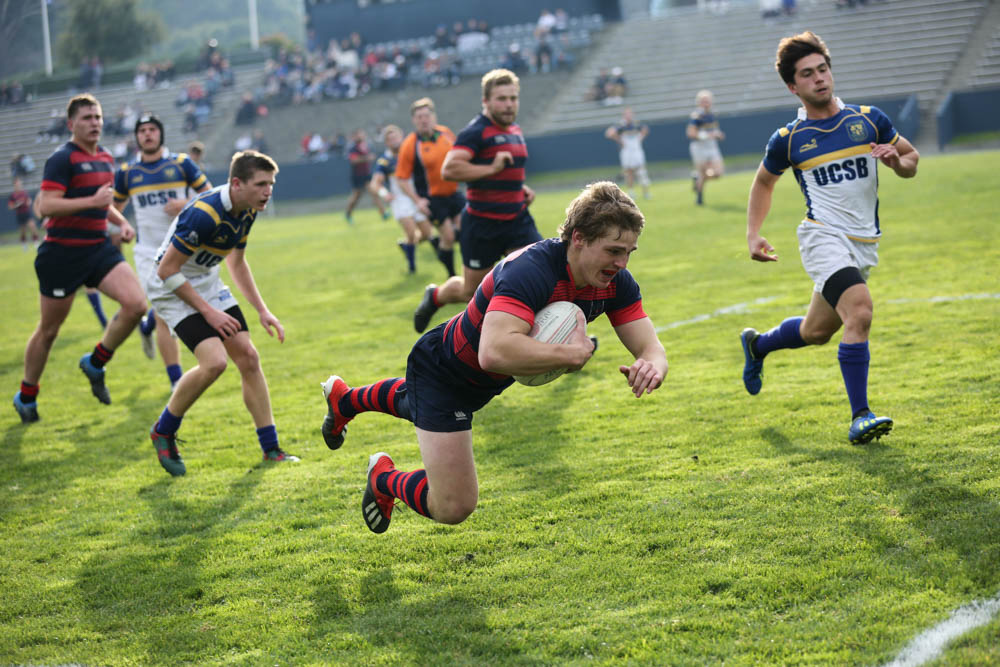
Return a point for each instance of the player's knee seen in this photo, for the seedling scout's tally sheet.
(247, 359)
(214, 367)
(859, 320)
(455, 510)
(813, 335)
(134, 308)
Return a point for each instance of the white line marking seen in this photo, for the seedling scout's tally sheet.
(945, 299)
(745, 307)
(929, 644)
(728, 310)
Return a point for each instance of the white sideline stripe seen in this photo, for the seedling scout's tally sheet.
(929, 644)
(728, 310)
(745, 307)
(945, 299)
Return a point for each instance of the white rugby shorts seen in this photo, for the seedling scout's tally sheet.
(173, 310)
(705, 151)
(403, 207)
(826, 250)
(632, 158)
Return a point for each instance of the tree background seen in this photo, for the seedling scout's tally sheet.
(187, 26)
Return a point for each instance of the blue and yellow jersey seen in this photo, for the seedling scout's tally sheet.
(630, 135)
(832, 162)
(703, 121)
(207, 231)
(151, 185)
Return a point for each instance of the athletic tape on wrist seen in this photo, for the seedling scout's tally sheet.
(174, 281)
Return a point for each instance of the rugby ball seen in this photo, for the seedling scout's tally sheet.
(554, 324)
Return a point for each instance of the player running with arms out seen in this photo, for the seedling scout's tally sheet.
(157, 184)
(76, 195)
(420, 158)
(833, 150)
(489, 154)
(189, 295)
(705, 135)
(20, 202)
(385, 185)
(456, 368)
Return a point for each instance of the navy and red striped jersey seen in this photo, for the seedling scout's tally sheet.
(500, 196)
(523, 283)
(77, 173)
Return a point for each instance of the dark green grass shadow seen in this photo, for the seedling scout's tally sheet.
(955, 518)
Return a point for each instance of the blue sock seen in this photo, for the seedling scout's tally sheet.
(95, 303)
(267, 437)
(174, 372)
(168, 423)
(784, 336)
(146, 326)
(854, 358)
(409, 251)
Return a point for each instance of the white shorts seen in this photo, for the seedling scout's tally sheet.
(173, 310)
(825, 250)
(403, 207)
(145, 263)
(632, 158)
(703, 152)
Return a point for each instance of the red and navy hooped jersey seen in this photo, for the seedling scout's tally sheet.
(77, 173)
(523, 283)
(500, 196)
(360, 151)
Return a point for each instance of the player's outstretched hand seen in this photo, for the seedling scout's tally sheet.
(268, 320)
(501, 160)
(224, 323)
(761, 250)
(642, 376)
(887, 153)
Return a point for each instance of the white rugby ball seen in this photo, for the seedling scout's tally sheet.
(554, 324)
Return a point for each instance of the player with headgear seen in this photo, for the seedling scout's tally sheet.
(157, 183)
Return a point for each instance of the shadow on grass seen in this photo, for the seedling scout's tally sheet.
(145, 591)
(949, 515)
(440, 629)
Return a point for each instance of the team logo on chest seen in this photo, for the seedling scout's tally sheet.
(169, 172)
(857, 131)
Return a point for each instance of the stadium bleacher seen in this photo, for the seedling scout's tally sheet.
(986, 72)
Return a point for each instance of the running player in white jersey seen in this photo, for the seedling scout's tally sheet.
(833, 150)
(705, 135)
(189, 295)
(157, 183)
(629, 136)
(385, 185)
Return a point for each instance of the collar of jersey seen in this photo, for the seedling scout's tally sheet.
(802, 110)
(227, 201)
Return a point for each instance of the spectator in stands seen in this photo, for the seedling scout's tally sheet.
(770, 9)
(441, 39)
(190, 119)
(599, 90)
(457, 30)
(617, 87)
(472, 39)
(196, 150)
(561, 24)
(247, 111)
(546, 21)
(96, 72)
(56, 129)
(86, 77)
(338, 144)
(21, 165)
(259, 143)
(243, 142)
(514, 60)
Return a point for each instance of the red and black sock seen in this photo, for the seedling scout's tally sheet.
(410, 487)
(101, 356)
(388, 396)
(29, 392)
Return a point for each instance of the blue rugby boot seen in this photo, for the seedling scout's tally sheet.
(868, 427)
(27, 411)
(96, 377)
(752, 366)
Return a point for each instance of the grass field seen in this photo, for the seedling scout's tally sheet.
(698, 525)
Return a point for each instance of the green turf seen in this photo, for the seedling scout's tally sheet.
(697, 525)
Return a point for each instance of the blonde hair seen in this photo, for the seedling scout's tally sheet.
(422, 103)
(498, 77)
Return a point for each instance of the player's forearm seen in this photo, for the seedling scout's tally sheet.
(757, 208)
(908, 165)
(462, 171)
(117, 217)
(57, 206)
(519, 354)
(243, 277)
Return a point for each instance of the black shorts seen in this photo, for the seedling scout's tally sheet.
(485, 241)
(23, 219)
(443, 208)
(359, 180)
(62, 269)
(441, 400)
(195, 328)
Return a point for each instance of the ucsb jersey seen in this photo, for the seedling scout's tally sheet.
(832, 162)
(631, 136)
(151, 185)
(523, 283)
(207, 231)
(386, 165)
(704, 121)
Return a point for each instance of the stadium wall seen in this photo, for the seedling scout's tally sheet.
(746, 133)
(966, 113)
(381, 22)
